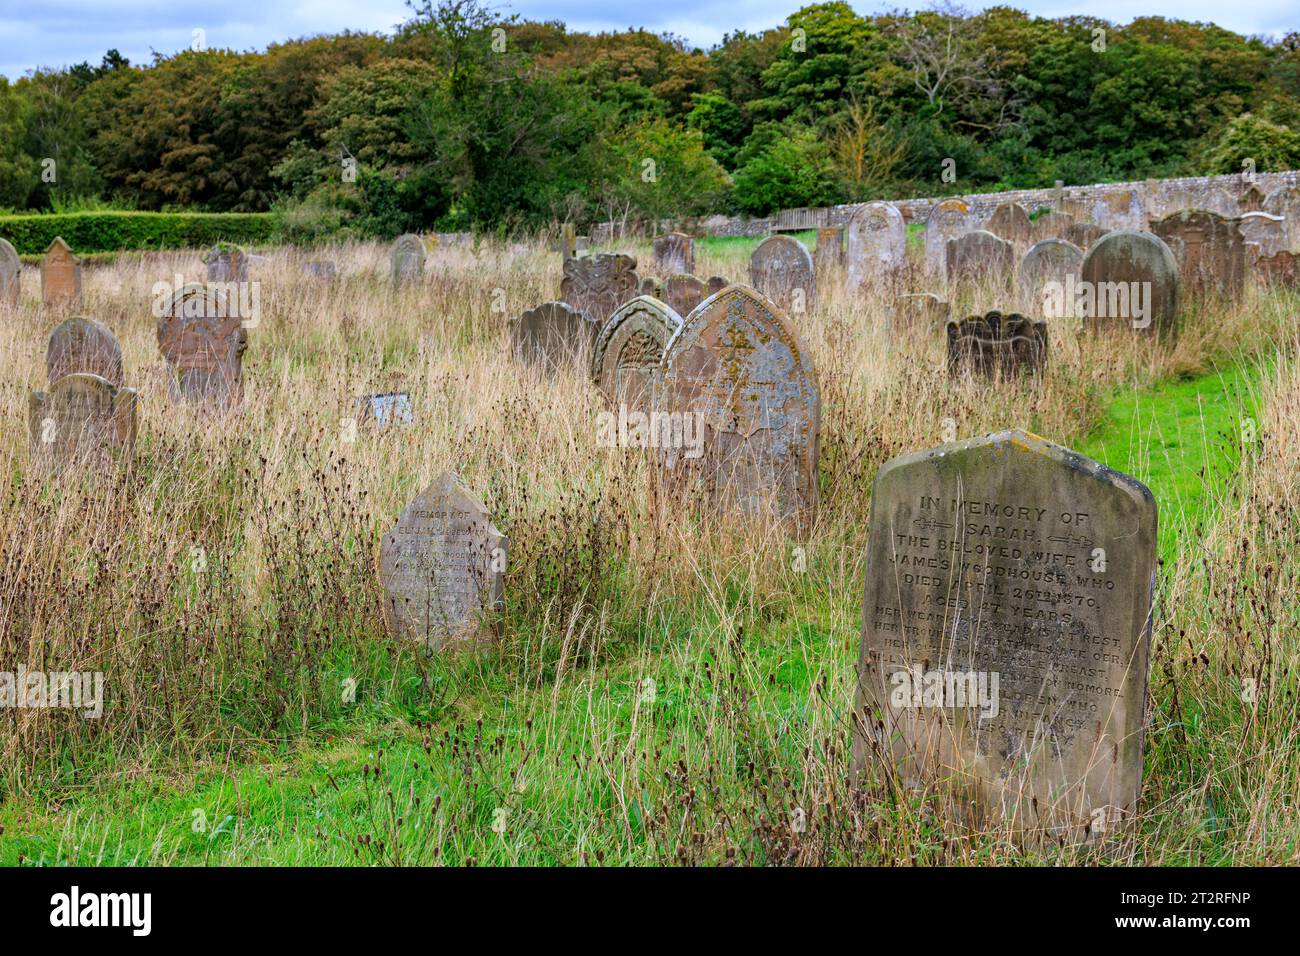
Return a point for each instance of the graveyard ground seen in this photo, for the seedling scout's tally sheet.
(668, 687)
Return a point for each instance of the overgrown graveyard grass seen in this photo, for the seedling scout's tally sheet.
(669, 687)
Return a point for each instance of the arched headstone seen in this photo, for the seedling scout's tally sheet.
(83, 345)
(782, 269)
(1052, 260)
(11, 274)
(683, 293)
(978, 255)
(203, 340)
(83, 421)
(1011, 222)
(553, 336)
(406, 259)
(1130, 281)
(947, 220)
(877, 240)
(625, 363)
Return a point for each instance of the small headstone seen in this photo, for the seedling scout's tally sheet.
(781, 269)
(385, 409)
(11, 274)
(625, 363)
(1051, 260)
(828, 254)
(321, 269)
(553, 336)
(60, 276)
(1052, 225)
(1011, 222)
(599, 284)
(442, 567)
(83, 345)
(739, 370)
(948, 220)
(996, 345)
(406, 259)
(1005, 633)
(651, 286)
(203, 340)
(83, 421)
(716, 284)
(1084, 234)
(921, 309)
(674, 253)
(1209, 249)
(683, 293)
(980, 255)
(877, 239)
(227, 263)
(1281, 268)
(1263, 233)
(1130, 281)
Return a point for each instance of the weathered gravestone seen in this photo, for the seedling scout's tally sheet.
(1011, 222)
(321, 269)
(1209, 249)
(1005, 630)
(1251, 199)
(739, 370)
(1263, 234)
(553, 336)
(1130, 281)
(716, 284)
(652, 286)
(828, 254)
(599, 284)
(203, 340)
(683, 293)
(1281, 268)
(442, 567)
(385, 409)
(947, 220)
(1120, 209)
(625, 363)
(82, 421)
(568, 244)
(996, 345)
(980, 256)
(1284, 201)
(1048, 261)
(11, 274)
(782, 270)
(1051, 225)
(83, 345)
(674, 252)
(60, 276)
(1084, 234)
(923, 309)
(227, 263)
(877, 239)
(406, 259)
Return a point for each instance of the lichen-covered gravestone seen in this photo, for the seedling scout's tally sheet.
(83, 421)
(738, 364)
(1051, 260)
(1011, 222)
(406, 259)
(599, 284)
(553, 336)
(203, 340)
(877, 239)
(442, 567)
(683, 293)
(1005, 631)
(60, 276)
(995, 345)
(1130, 281)
(781, 268)
(11, 274)
(947, 220)
(674, 252)
(1209, 249)
(625, 363)
(83, 345)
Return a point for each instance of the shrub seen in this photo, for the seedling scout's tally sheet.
(88, 232)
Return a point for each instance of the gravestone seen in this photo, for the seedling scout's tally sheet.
(716, 284)
(1052, 225)
(60, 276)
(1010, 222)
(1130, 281)
(947, 220)
(980, 255)
(203, 340)
(1051, 260)
(1084, 234)
(1263, 233)
(1209, 249)
(553, 336)
(781, 269)
(683, 293)
(738, 368)
(569, 240)
(626, 360)
(1120, 209)
(321, 269)
(82, 421)
(385, 409)
(922, 309)
(651, 286)
(406, 259)
(828, 254)
(442, 567)
(1251, 199)
(599, 284)
(877, 240)
(996, 345)
(227, 263)
(1284, 201)
(1009, 555)
(1281, 268)
(11, 274)
(83, 345)
(674, 252)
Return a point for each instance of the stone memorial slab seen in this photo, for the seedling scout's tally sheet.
(442, 568)
(673, 253)
(406, 259)
(781, 269)
(83, 421)
(1209, 249)
(738, 367)
(553, 336)
(651, 286)
(599, 284)
(1263, 233)
(1005, 632)
(386, 409)
(683, 293)
(203, 340)
(1130, 281)
(60, 276)
(83, 345)
(1051, 260)
(626, 361)
(1011, 222)
(1281, 268)
(947, 220)
(227, 263)
(980, 256)
(877, 244)
(996, 346)
(11, 274)
(922, 309)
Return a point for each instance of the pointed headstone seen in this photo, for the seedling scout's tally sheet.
(60, 277)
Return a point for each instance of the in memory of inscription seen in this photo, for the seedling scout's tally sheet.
(1008, 555)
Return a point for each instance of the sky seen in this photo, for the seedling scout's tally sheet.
(57, 33)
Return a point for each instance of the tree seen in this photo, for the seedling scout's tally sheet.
(1273, 147)
(789, 172)
(865, 153)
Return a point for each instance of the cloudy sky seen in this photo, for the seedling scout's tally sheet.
(52, 33)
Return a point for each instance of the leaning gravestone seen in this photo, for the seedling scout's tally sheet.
(60, 276)
(227, 263)
(1051, 260)
(738, 366)
(781, 269)
(83, 345)
(406, 259)
(11, 274)
(828, 254)
(82, 421)
(1130, 280)
(1209, 249)
(877, 240)
(203, 340)
(979, 255)
(683, 293)
(625, 363)
(674, 252)
(442, 567)
(1010, 222)
(947, 220)
(996, 345)
(1005, 630)
(553, 336)
(599, 284)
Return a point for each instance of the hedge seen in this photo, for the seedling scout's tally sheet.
(88, 232)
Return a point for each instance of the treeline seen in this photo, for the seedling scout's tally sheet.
(466, 118)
